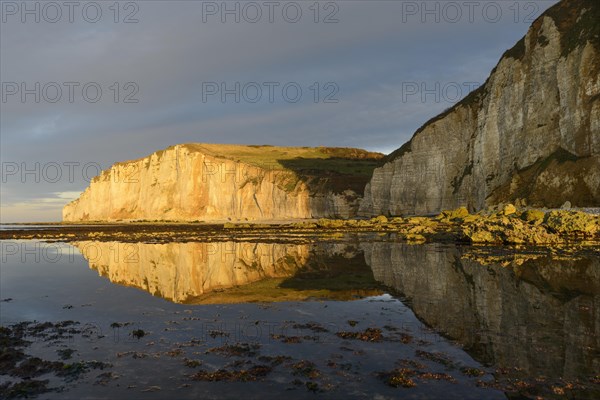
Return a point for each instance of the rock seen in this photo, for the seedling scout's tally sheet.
(419, 229)
(330, 223)
(573, 222)
(520, 203)
(481, 236)
(508, 231)
(424, 221)
(509, 209)
(227, 182)
(459, 213)
(530, 132)
(566, 205)
(304, 225)
(382, 219)
(414, 238)
(534, 216)
(471, 218)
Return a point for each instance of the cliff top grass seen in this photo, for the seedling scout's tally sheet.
(341, 160)
(340, 288)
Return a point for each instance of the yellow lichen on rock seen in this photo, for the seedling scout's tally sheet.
(573, 222)
(535, 217)
(509, 209)
(451, 215)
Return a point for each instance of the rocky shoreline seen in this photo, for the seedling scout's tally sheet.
(501, 225)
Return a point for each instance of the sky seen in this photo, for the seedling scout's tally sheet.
(87, 84)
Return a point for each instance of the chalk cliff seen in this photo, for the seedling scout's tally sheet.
(212, 182)
(532, 131)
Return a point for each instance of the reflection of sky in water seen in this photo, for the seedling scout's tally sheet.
(26, 227)
(42, 278)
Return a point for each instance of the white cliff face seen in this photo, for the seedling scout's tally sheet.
(184, 184)
(531, 132)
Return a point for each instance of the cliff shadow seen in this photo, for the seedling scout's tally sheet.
(338, 273)
(335, 174)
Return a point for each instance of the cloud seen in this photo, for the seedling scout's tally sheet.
(170, 52)
(38, 209)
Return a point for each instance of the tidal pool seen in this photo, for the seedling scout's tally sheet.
(348, 318)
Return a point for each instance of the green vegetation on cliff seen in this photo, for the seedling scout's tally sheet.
(321, 168)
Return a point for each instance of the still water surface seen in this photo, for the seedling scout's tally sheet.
(330, 318)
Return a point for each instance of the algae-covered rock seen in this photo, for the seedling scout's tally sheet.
(451, 215)
(471, 218)
(330, 223)
(419, 229)
(508, 231)
(573, 222)
(382, 219)
(304, 225)
(479, 235)
(364, 223)
(415, 238)
(419, 221)
(534, 216)
(509, 209)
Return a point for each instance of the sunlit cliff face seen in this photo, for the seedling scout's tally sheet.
(209, 182)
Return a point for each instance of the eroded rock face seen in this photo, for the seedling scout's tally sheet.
(194, 182)
(532, 131)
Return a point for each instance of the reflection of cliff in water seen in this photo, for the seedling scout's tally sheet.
(537, 313)
(541, 314)
(227, 272)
